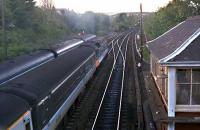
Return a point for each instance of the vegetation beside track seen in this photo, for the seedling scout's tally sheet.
(170, 15)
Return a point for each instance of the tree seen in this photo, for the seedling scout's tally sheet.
(123, 21)
(166, 17)
(20, 12)
(47, 4)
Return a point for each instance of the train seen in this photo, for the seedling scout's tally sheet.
(37, 89)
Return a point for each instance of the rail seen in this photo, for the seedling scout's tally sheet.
(117, 68)
(122, 89)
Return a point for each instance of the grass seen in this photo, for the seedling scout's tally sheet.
(146, 55)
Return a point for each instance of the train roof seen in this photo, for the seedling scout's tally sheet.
(96, 43)
(12, 108)
(98, 39)
(35, 85)
(14, 67)
(59, 49)
(84, 37)
(65, 46)
(87, 37)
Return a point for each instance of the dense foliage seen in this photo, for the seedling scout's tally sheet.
(29, 27)
(123, 21)
(95, 23)
(172, 14)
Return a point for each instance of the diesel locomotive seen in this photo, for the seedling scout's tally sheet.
(37, 89)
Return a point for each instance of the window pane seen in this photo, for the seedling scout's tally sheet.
(183, 76)
(196, 75)
(183, 94)
(196, 94)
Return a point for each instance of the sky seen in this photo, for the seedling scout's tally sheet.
(109, 6)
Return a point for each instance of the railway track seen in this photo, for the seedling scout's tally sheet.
(110, 102)
(109, 110)
(74, 119)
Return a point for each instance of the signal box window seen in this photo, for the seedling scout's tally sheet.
(188, 87)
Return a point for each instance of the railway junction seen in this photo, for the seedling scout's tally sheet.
(113, 97)
(85, 83)
(103, 83)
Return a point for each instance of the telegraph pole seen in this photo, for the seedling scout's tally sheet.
(5, 47)
(141, 35)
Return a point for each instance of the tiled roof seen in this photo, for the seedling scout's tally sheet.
(191, 53)
(174, 41)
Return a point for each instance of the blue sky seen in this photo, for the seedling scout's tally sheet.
(109, 6)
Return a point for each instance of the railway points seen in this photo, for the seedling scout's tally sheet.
(99, 92)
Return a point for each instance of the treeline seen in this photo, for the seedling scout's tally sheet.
(98, 23)
(90, 22)
(123, 21)
(167, 17)
(29, 27)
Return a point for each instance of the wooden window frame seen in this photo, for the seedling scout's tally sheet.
(189, 107)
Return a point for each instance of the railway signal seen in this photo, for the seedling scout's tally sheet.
(141, 35)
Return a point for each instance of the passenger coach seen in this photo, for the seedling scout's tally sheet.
(37, 89)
